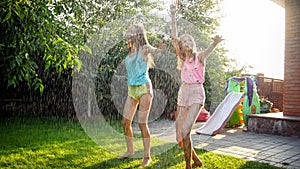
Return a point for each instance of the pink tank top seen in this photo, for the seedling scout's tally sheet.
(192, 71)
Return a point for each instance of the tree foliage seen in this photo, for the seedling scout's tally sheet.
(203, 13)
(46, 35)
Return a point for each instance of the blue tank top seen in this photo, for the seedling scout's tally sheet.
(137, 69)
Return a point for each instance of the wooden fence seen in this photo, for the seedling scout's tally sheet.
(272, 89)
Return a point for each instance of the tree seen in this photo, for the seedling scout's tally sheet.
(44, 36)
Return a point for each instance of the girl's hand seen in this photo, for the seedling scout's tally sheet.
(174, 7)
(217, 39)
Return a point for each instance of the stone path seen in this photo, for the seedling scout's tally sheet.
(276, 150)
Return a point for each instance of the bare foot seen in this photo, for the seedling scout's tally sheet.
(146, 161)
(197, 161)
(197, 164)
(125, 155)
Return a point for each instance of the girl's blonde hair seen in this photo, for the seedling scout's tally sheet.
(192, 47)
(141, 39)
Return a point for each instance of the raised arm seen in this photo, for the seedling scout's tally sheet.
(174, 37)
(204, 54)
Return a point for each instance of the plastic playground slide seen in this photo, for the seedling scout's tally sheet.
(221, 115)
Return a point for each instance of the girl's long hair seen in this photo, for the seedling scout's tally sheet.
(140, 38)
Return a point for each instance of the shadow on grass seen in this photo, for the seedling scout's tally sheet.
(159, 161)
(116, 163)
(173, 158)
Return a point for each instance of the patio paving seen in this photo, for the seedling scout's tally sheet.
(281, 151)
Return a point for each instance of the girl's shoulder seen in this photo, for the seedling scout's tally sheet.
(200, 57)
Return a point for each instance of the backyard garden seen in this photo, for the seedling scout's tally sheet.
(58, 62)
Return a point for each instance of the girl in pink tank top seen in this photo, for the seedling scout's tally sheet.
(191, 94)
(192, 71)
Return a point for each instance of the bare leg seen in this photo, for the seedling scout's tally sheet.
(180, 119)
(189, 120)
(187, 151)
(143, 114)
(128, 113)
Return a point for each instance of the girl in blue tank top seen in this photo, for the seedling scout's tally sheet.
(138, 61)
(137, 69)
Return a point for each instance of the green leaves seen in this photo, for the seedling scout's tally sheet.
(8, 15)
(203, 13)
(20, 44)
(42, 36)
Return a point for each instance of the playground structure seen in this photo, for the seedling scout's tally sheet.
(235, 107)
(222, 114)
(250, 104)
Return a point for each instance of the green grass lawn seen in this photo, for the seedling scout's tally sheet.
(60, 143)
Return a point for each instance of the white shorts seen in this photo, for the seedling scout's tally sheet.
(191, 94)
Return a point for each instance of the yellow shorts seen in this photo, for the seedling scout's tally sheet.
(136, 92)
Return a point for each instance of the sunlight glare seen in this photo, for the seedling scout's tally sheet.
(254, 34)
